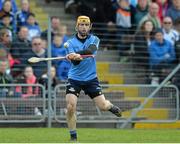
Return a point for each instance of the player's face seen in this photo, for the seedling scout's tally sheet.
(83, 29)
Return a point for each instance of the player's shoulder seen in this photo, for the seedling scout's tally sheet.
(70, 41)
(94, 37)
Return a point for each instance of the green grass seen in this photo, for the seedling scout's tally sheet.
(59, 135)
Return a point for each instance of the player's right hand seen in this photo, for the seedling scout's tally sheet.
(70, 56)
(77, 57)
(74, 56)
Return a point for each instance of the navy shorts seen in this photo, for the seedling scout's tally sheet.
(91, 87)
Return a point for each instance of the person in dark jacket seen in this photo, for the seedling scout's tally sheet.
(142, 40)
(5, 78)
(37, 50)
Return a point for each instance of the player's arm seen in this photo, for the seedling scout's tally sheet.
(74, 58)
(90, 50)
(71, 55)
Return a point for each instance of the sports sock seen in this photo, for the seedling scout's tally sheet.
(73, 134)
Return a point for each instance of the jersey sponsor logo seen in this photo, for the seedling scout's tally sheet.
(71, 89)
(98, 88)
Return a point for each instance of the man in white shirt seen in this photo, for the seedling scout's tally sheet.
(170, 33)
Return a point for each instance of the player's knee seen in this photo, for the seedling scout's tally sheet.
(71, 108)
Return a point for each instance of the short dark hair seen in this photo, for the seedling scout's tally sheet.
(31, 14)
(54, 17)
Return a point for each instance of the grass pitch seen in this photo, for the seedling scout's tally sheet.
(60, 135)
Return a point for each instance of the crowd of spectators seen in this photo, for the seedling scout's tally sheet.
(21, 38)
(148, 30)
(150, 27)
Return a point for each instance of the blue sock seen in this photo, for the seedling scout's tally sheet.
(73, 134)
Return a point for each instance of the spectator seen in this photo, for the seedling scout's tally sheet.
(22, 15)
(5, 78)
(36, 51)
(13, 3)
(104, 22)
(142, 41)
(28, 77)
(125, 24)
(6, 24)
(177, 45)
(44, 79)
(7, 10)
(20, 46)
(133, 2)
(64, 33)
(169, 32)
(55, 28)
(5, 39)
(163, 7)
(162, 55)
(152, 15)
(58, 49)
(141, 10)
(125, 15)
(54, 81)
(5, 44)
(33, 27)
(174, 10)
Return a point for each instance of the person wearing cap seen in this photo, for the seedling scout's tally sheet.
(162, 53)
(82, 74)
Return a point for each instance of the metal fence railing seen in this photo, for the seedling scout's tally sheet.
(163, 107)
(18, 105)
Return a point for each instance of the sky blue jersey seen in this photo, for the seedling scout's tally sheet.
(86, 69)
